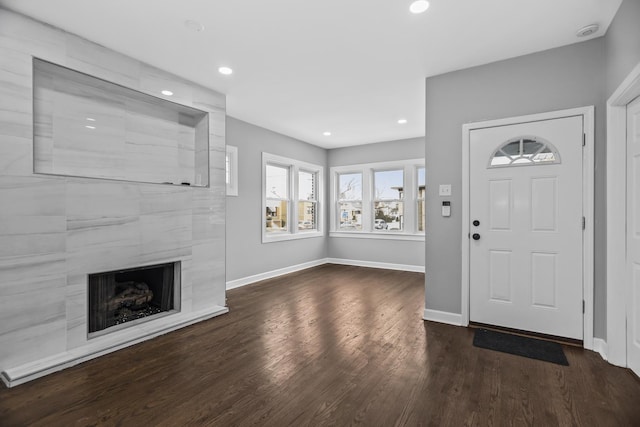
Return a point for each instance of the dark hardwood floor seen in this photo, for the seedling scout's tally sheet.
(332, 345)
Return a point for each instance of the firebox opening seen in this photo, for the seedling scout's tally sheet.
(119, 297)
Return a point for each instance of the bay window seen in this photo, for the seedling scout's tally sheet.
(378, 200)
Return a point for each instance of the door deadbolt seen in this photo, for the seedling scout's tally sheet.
(476, 222)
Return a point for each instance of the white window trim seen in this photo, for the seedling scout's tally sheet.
(410, 200)
(232, 185)
(294, 166)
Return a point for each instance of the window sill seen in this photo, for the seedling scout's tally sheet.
(279, 237)
(377, 235)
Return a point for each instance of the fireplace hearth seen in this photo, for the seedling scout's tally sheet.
(119, 297)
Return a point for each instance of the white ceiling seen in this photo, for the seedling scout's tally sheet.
(301, 67)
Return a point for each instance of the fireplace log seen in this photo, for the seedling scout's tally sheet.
(131, 294)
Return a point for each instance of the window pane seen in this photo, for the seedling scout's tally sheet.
(512, 148)
(388, 216)
(388, 184)
(421, 183)
(306, 186)
(421, 215)
(277, 178)
(544, 157)
(307, 216)
(524, 151)
(276, 216)
(350, 185)
(350, 215)
(530, 147)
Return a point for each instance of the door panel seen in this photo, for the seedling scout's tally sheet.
(500, 276)
(633, 235)
(543, 279)
(543, 204)
(500, 205)
(526, 267)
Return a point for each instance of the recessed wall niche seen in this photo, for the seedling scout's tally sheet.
(88, 127)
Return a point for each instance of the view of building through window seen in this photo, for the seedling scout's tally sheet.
(421, 199)
(277, 197)
(292, 197)
(307, 201)
(350, 201)
(388, 205)
(379, 198)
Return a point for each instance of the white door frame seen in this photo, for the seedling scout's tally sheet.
(617, 286)
(587, 201)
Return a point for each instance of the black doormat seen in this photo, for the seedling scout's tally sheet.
(521, 346)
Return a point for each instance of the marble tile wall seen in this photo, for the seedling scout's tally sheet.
(55, 230)
(87, 127)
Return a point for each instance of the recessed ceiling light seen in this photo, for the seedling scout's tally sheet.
(90, 127)
(194, 25)
(91, 119)
(588, 30)
(419, 6)
(167, 92)
(327, 133)
(402, 121)
(225, 70)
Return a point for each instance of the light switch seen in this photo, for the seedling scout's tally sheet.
(445, 189)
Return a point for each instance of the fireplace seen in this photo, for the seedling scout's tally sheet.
(121, 298)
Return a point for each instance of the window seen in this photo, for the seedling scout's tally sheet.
(421, 199)
(307, 201)
(350, 201)
(231, 170)
(388, 207)
(378, 200)
(524, 151)
(277, 195)
(292, 194)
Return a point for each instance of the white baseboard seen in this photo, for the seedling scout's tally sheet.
(600, 346)
(105, 344)
(232, 284)
(442, 317)
(373, 264)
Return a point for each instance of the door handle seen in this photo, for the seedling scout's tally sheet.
(476, 236)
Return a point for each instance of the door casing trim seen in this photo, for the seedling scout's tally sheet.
(617, 282)
(588, 174)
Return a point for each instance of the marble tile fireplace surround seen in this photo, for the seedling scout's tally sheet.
(65, 227)
(124, 298)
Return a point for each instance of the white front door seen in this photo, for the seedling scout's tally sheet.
(633, 235)
(525, 260)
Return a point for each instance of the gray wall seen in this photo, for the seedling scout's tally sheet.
(623, 44)
(566, 77)
(246, 254)
(377, 250)
(403, 149)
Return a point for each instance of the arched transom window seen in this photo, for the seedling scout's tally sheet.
(524, 151)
